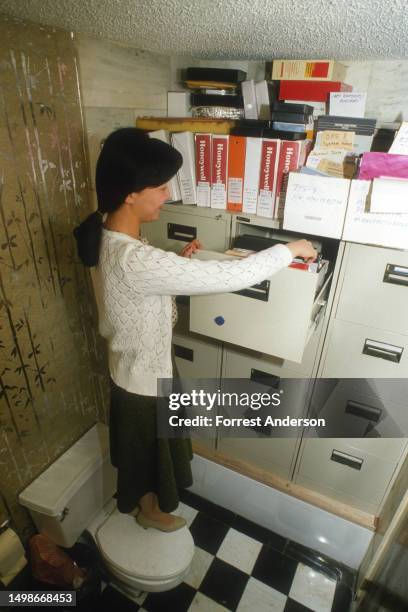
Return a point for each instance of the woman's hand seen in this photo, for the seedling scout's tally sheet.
(303, 248)
(190, 248)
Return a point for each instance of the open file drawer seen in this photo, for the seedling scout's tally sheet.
(276, 317)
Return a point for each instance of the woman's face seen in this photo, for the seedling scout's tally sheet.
(149, 201)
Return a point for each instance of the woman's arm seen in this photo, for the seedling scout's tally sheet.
(156, 272)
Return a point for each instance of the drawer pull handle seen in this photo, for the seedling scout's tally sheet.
(183, 352)
(349, 460)
(264, 378)
(362, 410)
(383, 350)
(396, 275)
(245, 219)
(316, 319)
(181, 232)
(257, 292)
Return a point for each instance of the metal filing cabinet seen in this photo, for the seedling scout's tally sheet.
(276, 317)
(363, 385)
(179, 224)
(367, 408)
(354, 471)
(276, 455)
(198, 358)
(368, 336)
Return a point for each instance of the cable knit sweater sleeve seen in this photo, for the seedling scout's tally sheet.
(153, 271)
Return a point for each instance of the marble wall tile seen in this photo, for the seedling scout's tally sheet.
(119, 76)
(386, 85)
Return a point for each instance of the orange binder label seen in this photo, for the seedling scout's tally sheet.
(236, 172)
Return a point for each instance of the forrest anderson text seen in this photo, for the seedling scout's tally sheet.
(206, 421)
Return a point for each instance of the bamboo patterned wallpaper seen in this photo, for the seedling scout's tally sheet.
(53, 383)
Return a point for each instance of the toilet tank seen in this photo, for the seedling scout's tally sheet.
(65, 498)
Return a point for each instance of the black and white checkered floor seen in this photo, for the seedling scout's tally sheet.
(241, 566)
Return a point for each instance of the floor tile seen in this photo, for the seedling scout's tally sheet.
(275, 569)
(208, 533)
(312, 589)
(239, 550)
(294, 606)
(202, 603)
(186, 512)
(204, 505)
(257, 532)
(111, 599)
(199, 567)
(259, 597)
(178, 599)
(224, 583)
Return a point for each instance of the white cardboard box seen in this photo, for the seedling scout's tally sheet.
(316, 204)
(383, 229)
(175, 195)
(178, 104)
(184, 143)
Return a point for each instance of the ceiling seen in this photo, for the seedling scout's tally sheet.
(235, 29)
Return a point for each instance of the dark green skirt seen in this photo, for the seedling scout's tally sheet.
(144, 461)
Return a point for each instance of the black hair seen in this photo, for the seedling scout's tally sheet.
(129, 162)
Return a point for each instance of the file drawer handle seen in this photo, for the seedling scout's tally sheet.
(257, 292)
(186, 233)
(321, 304)
(363, 410)
(396, 275)
(345, 459)
(383, 350)
(183, 352)
(245, 219)
(264, 378)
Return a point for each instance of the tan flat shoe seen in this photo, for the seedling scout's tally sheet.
(135, 512)
(145, 522)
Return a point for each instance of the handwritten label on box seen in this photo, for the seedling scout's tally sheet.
(384, 229)
(347, 104)
(335, 139)
(400, 144)
(316, 204)
(389, 195)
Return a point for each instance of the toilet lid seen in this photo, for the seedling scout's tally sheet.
(144, 553)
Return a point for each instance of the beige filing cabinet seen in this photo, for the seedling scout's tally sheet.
(276, 317)
(353, 471)
(368, 336)
(276, 455)
(366, 348)
(197, 358)
(179, 224)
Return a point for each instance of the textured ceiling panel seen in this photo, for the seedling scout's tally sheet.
(252, 29)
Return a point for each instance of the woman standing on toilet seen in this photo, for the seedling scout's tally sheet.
(134, 284)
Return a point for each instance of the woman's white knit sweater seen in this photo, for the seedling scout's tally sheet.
(133, 285)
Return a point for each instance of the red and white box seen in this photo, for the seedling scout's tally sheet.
(203, 169)
(267, 177)
(219, 165)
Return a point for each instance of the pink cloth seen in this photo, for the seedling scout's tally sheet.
(374, 165)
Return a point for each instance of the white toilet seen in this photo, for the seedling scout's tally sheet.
(75, 494)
